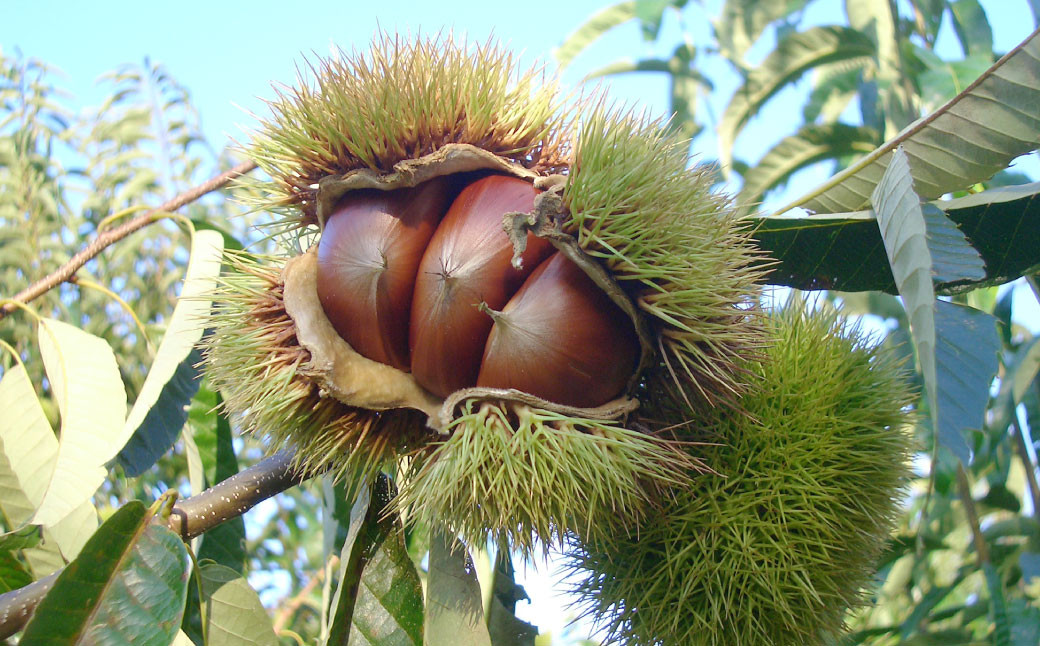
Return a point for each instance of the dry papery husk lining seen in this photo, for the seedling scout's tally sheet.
(355, 380)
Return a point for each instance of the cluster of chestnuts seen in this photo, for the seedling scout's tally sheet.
(542, 318)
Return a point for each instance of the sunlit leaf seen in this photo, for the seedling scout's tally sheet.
(650, 14)
(966, 141)
(454, 614)
(29, 448)
(89, 390)
(161, 408)
(742, 22)
(836, 85)
(127, 586)
(600, 23)
(811, 144)
(902, 225)
(972, 27)
(793, 56)
(234, 614)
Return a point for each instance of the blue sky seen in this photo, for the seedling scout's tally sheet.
(229, 53)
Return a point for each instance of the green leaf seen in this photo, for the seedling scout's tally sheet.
(161, 408)
(389, 605)
(686, 82)
(628, 66)
(836, 85)
(966, 141)
(811, 144)
(28, 536)
(945, 79)
(743, 21)
(454, 614)
(341, 606)
(972, 27)
(379, 598)
(793, 56)
(13, 574)
(650, 14)
(226, 543)
(966, 359)
(503, 625)
(953, 257)
(1024, 618)
(903, 231)
(1025, 371)
(599, 24)
(234, 614)
(127, 586)
(997, 606)
(89, 390)
(845, 252)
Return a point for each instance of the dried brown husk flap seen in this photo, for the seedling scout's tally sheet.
(450, 159)
(339, 370)
(358, 381)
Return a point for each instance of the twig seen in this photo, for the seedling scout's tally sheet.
(190, 517)
(111, 236)
(235, 496)
(964, 491)
(286, 611)
(1029, 467)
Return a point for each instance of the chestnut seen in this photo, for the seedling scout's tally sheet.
(367, 260)
(468, 263)
(561, 338)
(422, 279)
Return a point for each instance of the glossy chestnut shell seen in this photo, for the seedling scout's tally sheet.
(422, 279)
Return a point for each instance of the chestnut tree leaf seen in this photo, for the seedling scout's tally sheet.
(967, 140)
(741, 22)
(811, 144)
(28, 448)
(234, 614)
(794, 55)
(600, 23)
(128, 585)
(454, 611)
(89, 391)
(845, 251)
(161, 408)
(378, 599)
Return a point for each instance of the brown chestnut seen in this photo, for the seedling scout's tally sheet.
(467, 264)
(367, 261)
(561, 338)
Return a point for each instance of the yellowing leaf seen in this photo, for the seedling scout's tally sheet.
(28, 447)
(89, 390)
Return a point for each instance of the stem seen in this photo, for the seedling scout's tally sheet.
(964, 491)
(189, 518)
(1029, 467)
(111, 236)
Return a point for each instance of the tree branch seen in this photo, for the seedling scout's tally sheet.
(111, 236)
(189, 518)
